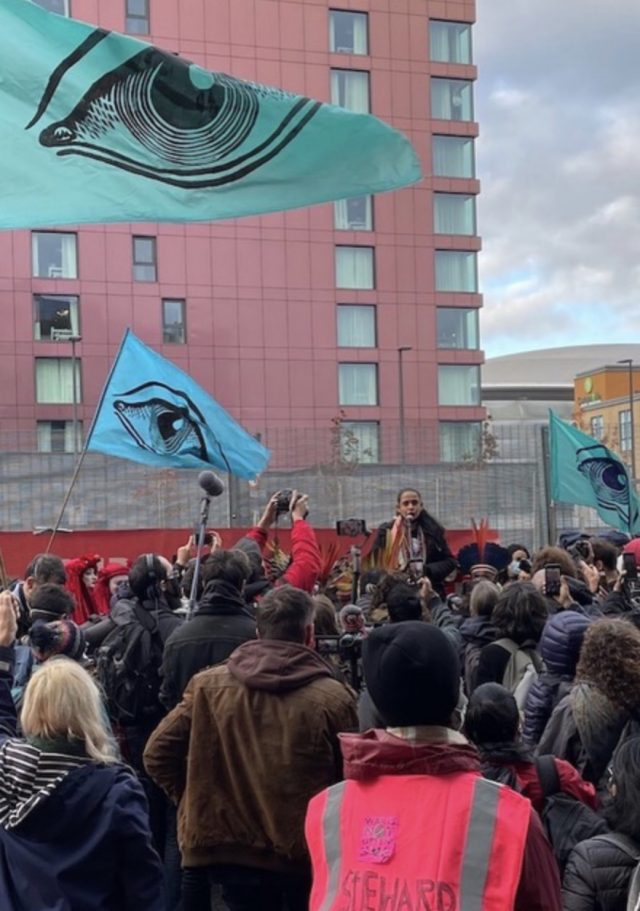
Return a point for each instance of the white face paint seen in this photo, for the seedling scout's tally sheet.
(90, 577)
(115, 581)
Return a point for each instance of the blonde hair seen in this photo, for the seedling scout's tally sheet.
(62, 701)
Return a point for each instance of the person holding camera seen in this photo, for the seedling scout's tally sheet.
(304, 566)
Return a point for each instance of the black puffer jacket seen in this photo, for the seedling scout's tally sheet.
(597, 876)
(559, 648)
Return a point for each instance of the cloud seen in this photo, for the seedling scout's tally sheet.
(558, 159)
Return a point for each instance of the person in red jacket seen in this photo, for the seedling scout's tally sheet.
(415, 825)
(492, 723)
(305, 564)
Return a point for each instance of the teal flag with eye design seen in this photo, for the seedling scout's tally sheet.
(101, 127)
(585, 472)
(153, 412)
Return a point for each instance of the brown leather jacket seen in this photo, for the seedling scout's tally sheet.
(252, 741)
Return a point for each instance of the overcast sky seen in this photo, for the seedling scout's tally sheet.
(558, 102)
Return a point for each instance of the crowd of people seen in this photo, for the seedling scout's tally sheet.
(445, 732)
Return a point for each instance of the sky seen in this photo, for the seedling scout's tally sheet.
(558, 103)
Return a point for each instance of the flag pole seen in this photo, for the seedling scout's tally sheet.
(72, 484)
(67, 496)
(551, 522)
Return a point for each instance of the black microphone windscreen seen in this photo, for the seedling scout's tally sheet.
(210, 483)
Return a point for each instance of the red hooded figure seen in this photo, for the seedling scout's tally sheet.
(82, 576)
(109, 578)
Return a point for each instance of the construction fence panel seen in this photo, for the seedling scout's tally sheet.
(504, 480)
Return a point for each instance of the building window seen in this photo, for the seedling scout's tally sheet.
(597, 427)
(350, 90)
(358, 384)
(457, 328)
(451, 99)
(453, 156)
(460, 441)
(137, 17)
(353, 214)
(456, 271)
(57, 436)
(348, 32)
(173, 322)
(55, 316)
(360, 442)
(54, 255)
(55, 6)
(450, 42)
(624, 430)
(356, 326)
(144, 259)
(454, 213)
(54, 381)
(458, 384)
(354, 267)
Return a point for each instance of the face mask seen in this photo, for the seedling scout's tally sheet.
(514, 568)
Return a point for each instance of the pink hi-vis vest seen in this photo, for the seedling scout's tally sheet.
(417, 843)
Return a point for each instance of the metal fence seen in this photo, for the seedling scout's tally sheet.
(504, 480)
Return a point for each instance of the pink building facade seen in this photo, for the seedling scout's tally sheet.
(365, 310)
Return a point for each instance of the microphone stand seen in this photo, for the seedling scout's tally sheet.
(356, 553)
(205, 505)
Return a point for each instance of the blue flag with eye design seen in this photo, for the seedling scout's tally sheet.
(153, 412)
(585, 472)
(101, 127)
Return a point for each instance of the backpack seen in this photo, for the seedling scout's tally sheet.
(631, 849)
(567, 821)
(128, 668)
(522, 669)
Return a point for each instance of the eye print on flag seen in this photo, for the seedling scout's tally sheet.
(608, 479)
(179, 123)
(162, 420)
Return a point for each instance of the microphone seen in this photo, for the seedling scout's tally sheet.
(210, 483)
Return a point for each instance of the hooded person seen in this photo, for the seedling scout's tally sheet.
(82, 576)
(415, 824)
(269, 719)
(110, 577)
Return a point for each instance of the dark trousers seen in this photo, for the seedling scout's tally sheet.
(246, 889)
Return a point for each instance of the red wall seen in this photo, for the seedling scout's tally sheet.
(18, 548)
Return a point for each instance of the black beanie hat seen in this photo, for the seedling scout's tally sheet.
(412, 672)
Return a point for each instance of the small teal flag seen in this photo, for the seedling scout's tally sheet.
(585, 472)
(152, 412)
(102, 127)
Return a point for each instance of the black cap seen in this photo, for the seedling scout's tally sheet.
(412, 673)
